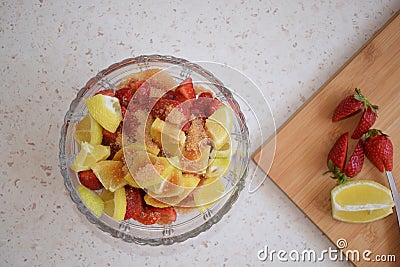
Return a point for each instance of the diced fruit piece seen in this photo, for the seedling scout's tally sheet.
(163, 107)
(88, 130)
(217, 168)
(91, 200)
(89, 155)
(206, 94)
(219, 126)
(134, 203)
(349, 106)
(214, 106)
(208, 194)
(155, 202)
(361, 201)
(89, 180)
(110, 173)
(119, 204)
(106, 110)
(185, 88)
(109, 207)
(124, 96)
(170, 184)
(356, 161)
(379, 150)
(167, 215)
(367, 120)
(129, 179)
(169, 136)
(106, 195)
(142, 93)
(150, 215)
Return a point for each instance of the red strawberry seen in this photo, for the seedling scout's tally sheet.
(108, 137)
(150, 215)
(109, 92)
(142, 93)
(337, 156)
(90, 180)
(215, 104)
(206, 94)
(168, 215)
(356, 161)
(163, 107)
(349, 106)
(171, 94)
(135, 84)
(379, 150)
(367, 120)
(186, 89)
(134, 203)
(124, 96)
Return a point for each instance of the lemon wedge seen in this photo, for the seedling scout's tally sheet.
(89, 155)
(361, 201)
(91, 200)
(119, 204)
(106, 110)
(219, 126)
(110, 173)
(88, 130)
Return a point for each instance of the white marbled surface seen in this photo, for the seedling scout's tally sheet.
(49, 49)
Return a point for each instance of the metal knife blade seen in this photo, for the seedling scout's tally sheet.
(395, 194)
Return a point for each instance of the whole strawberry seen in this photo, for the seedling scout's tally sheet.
(379, 150)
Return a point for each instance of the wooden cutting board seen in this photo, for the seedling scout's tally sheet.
(303, 143)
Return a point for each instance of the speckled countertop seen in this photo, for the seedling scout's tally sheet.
(49, 49)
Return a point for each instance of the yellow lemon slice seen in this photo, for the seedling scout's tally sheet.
(109, 207)
(91, 200)
(110, 173)
(89, 155)
(106, 110)
(106, 195)
(217, 168)
(219, 126)
(119, 204)
(361, 201)
(88, 130)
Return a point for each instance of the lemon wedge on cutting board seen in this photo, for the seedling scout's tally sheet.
(361, 201)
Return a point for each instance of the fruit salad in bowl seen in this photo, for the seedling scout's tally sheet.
(154, 150)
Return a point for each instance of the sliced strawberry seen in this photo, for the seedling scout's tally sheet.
(349, 106)
(108, 137)
(134, 203)
(379, 150)
(89, 180)
(135, 84)
(109, 92)
(337, 154)
(367, 120)
(171, 94)
(124, 96)
(163, 107)
(150, 215)
(142, 93)
(168, 215)
(186, 89)
(356, 161)
(206, 95)
(215, 104)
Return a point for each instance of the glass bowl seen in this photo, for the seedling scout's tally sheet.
(187, 225)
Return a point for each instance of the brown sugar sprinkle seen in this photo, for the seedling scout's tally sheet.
(195, 134)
